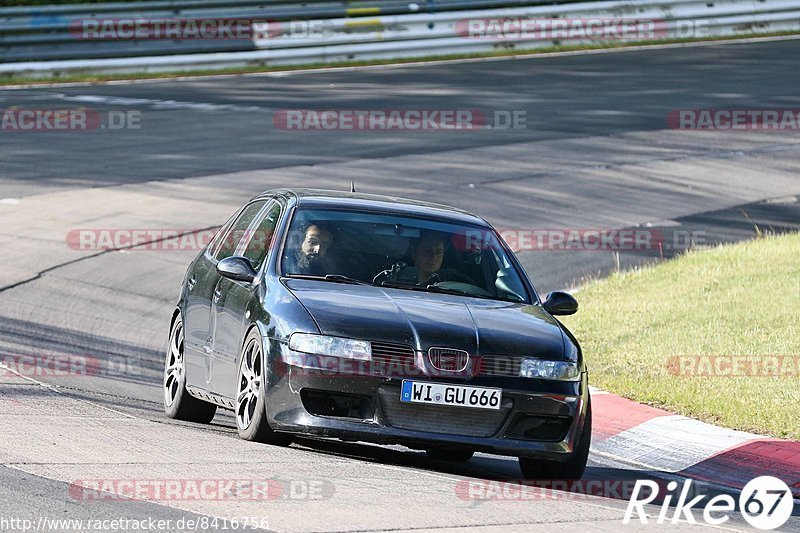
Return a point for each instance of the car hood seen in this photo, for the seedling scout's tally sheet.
(422, 319)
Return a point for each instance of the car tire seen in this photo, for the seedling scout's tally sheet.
(250, 401)
(178, 403)
(573, 468)
(448, 454)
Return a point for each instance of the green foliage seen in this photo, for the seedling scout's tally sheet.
(737, 300)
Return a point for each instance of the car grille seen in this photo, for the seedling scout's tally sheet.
(448, 360)
(398, 360)
(463, 421)
(393, 360)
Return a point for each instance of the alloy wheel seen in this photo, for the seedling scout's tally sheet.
(250, 374)
(174, 369)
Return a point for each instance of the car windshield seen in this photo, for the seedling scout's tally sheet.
(391, 250)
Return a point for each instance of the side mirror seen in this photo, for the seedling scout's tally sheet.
(560, 303)
(237, 268)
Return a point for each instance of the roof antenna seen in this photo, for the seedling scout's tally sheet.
(352, 186)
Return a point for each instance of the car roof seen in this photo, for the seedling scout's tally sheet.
(324, 198)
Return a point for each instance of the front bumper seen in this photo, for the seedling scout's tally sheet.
(381, 418)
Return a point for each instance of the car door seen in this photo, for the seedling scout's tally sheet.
(235, 298)
(200, 283)
(200, 364)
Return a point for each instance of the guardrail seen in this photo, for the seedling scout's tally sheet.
(49, 32)
(135, 36)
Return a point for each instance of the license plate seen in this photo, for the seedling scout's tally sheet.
(446, 394)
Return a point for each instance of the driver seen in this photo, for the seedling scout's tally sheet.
(312, 256)
(427, 269)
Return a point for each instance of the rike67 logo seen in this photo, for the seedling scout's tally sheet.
(765, 503)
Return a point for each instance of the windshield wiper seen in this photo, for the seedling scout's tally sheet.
(410, 286)
(435, 288)
(424, 288)
(336, 278)
(444, 290)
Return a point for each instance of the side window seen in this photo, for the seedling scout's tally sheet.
(507, 283)
(213, 245)
(238, 230)
(260, 238)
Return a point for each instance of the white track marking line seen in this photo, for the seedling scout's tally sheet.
(54, 389)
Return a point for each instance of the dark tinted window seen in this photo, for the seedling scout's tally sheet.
(260, 238)
(238, 230)
(391, 250)
(213, 245)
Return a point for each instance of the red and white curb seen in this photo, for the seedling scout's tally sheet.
(641, 435)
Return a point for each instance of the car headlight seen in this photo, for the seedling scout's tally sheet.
(543, 369)
(332, 346)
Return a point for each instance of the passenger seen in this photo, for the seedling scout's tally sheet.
(427, 257)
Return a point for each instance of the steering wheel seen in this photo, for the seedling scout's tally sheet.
(389, 272)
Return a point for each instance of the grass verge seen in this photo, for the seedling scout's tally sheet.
(642, 332)
(93, 77)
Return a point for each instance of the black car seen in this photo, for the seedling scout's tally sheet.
(378, 319)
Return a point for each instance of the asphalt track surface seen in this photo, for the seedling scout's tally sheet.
(596, 153)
